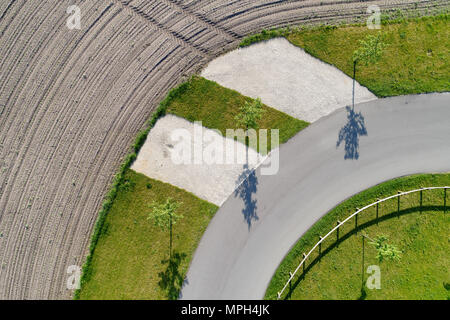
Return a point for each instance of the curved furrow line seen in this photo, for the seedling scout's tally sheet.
(292, 15)
(15, 73)
(8, 228)
(30, 122)
(161, 28)
(12, 58)
(52, 66)
(68, 56)
(66, 156)
(226, 13)
(7, 9)
(182, 24)
(210, 40)
(200, 19)
(239, 19)
(5, 25)
(7, 6)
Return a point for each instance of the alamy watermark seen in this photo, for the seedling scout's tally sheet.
(374, 280)
(74, 20)
(209, 147)
(73, 281)
(374, 20)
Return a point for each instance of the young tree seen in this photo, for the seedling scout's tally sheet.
(385, 251)
(369, 51)
(249, 115)
(164, 217)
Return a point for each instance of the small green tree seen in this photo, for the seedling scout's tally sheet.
(249, 115)
(164, 216)
(370, 51)
(385, 251)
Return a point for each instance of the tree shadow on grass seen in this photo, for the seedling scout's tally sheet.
(341, 239)
(171, 278)
(350, 133)
(245, 191)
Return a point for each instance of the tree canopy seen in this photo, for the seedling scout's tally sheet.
(370, 50)
(163, 214)
(385, 251)
(250, 113)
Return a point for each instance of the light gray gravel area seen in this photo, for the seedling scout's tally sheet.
(286, 78)
(213, 182)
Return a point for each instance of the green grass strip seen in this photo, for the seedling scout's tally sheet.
(118, 179)
(421, 273)
(217, 107)
(131, 256)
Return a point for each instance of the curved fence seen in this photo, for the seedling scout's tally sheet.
(339, 224)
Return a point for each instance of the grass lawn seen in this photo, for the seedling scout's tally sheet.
(422, 237)
(130, 259)
(217, 107)
(417, 58)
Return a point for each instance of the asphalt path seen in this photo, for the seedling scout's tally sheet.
(256, 227)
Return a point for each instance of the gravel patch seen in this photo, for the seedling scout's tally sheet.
(212, 182)
(285, 77)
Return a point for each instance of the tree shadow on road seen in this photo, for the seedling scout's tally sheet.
(171, 278)
(245, 191)
(350, 133)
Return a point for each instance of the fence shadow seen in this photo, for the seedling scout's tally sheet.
(245, 191)
(354, 231)
(350, 133)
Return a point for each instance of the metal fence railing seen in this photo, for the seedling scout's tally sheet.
(339, 224)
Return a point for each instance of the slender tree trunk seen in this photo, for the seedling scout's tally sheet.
(170, 245)
(362, 269)
(354, 80)
(247, 143)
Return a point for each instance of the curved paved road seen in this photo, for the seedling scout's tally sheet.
(405, 135)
